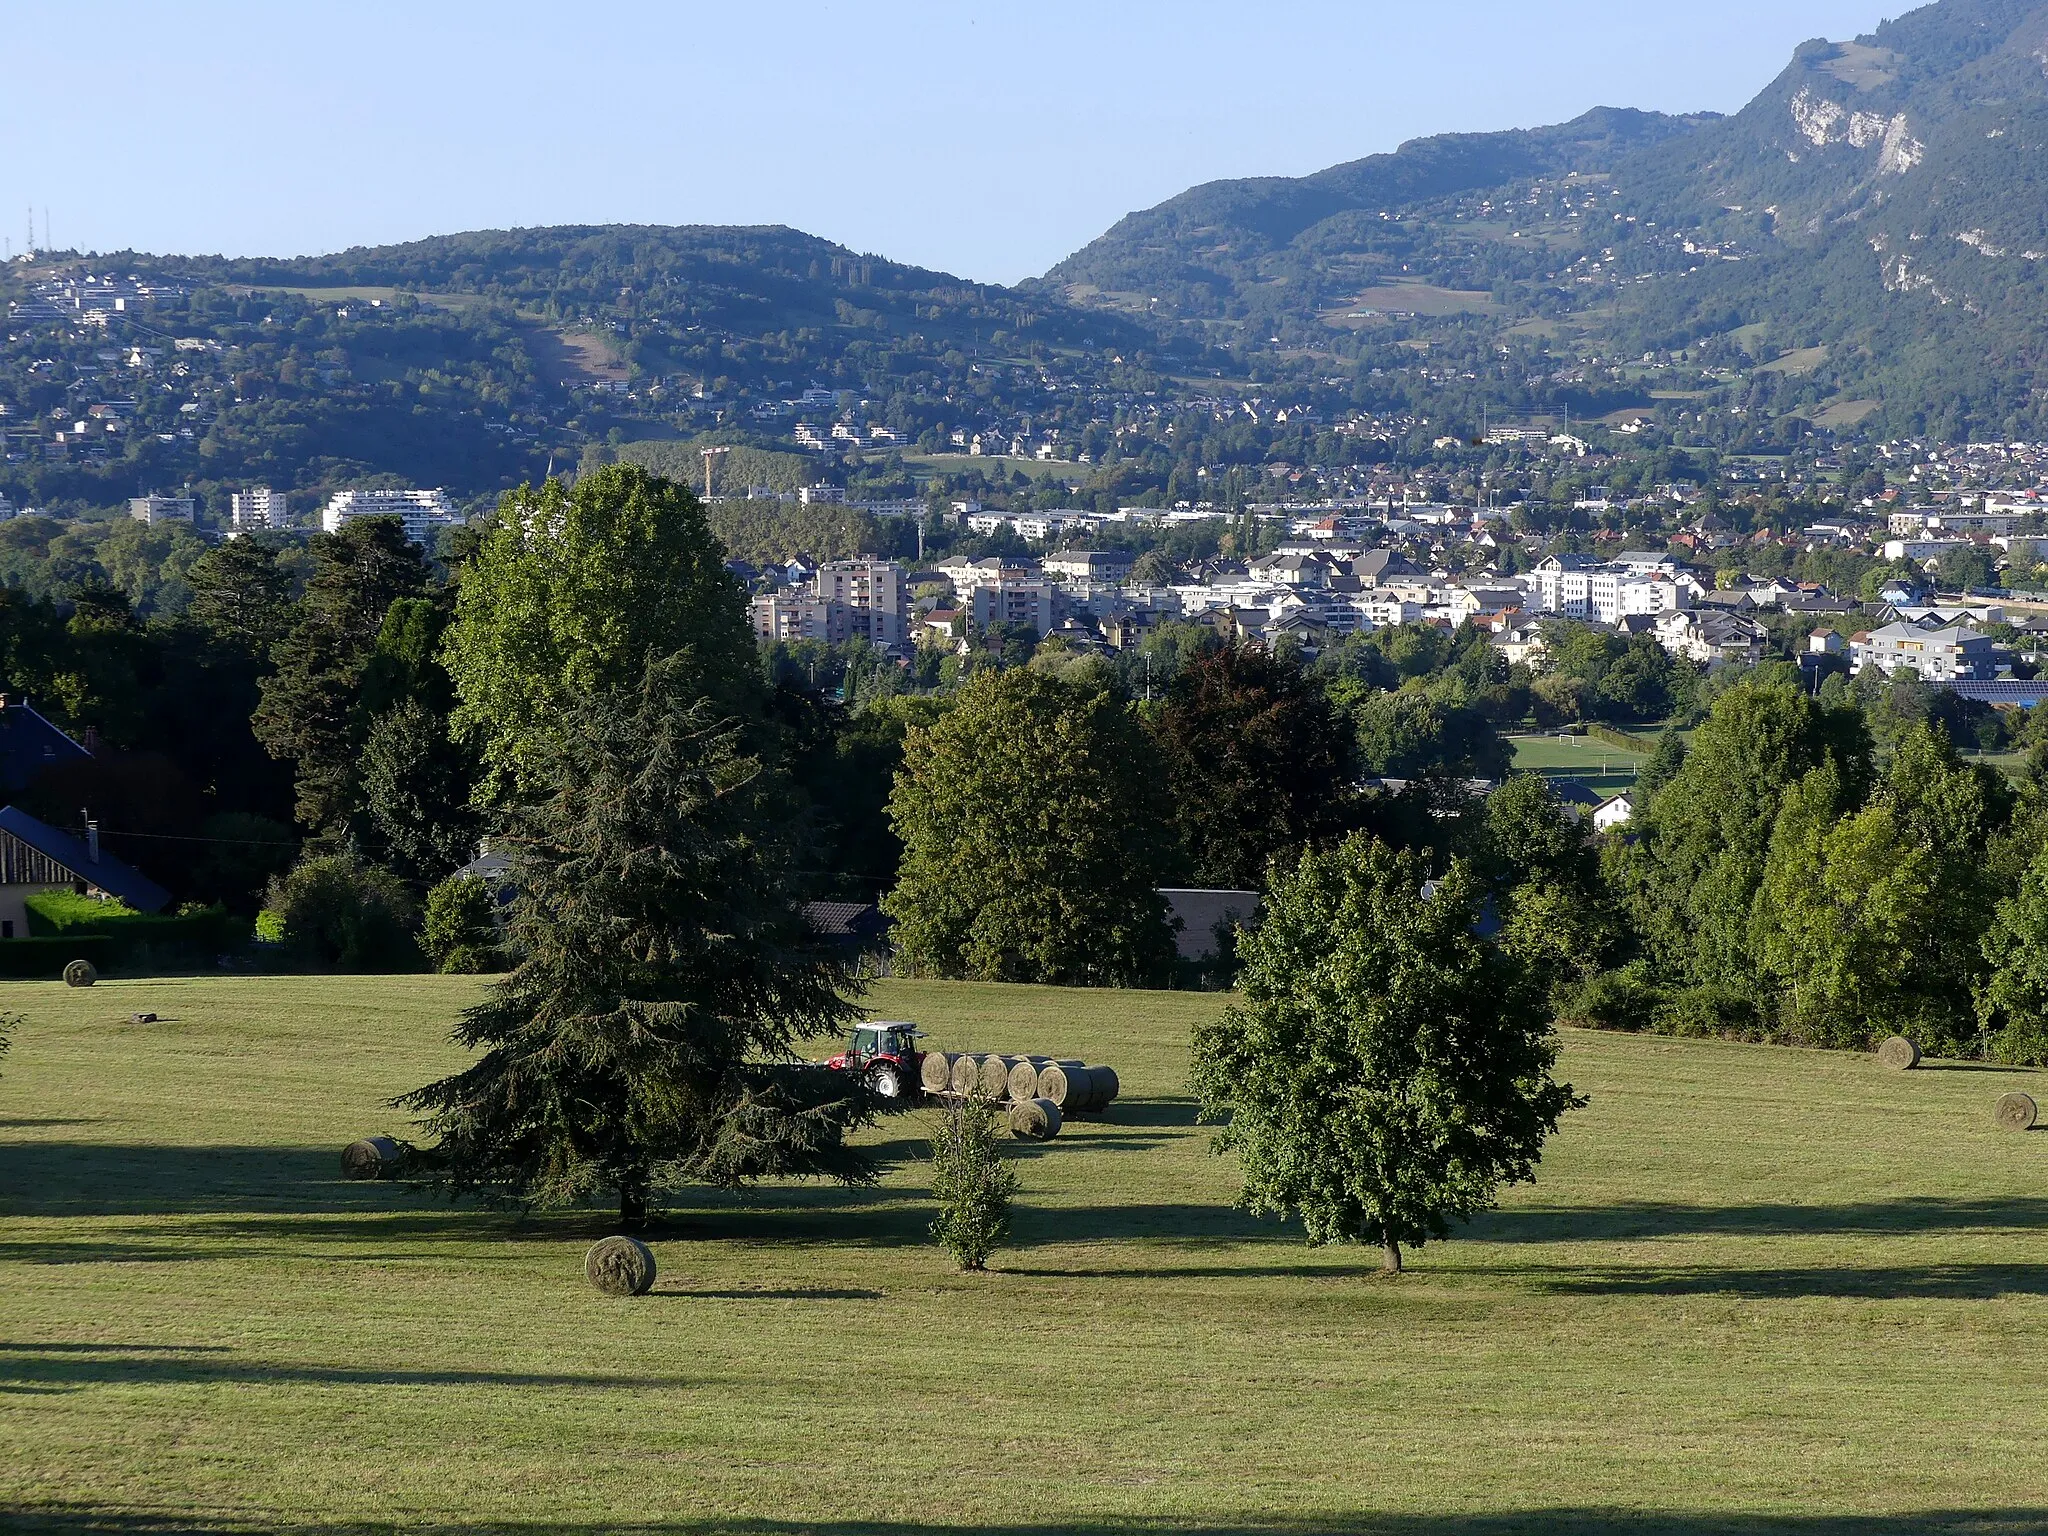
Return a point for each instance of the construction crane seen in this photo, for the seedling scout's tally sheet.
(710, 454)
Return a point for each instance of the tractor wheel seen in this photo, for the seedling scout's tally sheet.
(885, 1083)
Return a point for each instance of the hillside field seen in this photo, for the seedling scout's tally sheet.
(1755, 1290)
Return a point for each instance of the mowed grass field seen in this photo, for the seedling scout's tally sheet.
(1755, 1290)
(1599, 765)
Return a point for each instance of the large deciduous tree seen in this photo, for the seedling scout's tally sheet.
(2013, 1003)
(1384, 1075)
(573, 591)
(1841, 913)
(1698, 859)
(1034, 828)
(1256, 760)
(648, 1034)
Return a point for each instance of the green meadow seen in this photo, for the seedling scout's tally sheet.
(1753, 1290)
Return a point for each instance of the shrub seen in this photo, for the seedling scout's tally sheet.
(338, 911)
(1624, 999)
(971, 1182)
(1713, 1011)
(461, 932)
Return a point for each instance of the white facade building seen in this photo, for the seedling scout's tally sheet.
(160, 509)
(257, 507)
(423, 513)
(1936, 654)
(1577, 588)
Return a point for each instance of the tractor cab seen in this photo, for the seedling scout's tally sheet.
(885, 1053)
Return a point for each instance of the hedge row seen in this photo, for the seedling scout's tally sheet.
(33, 959)
(1615, 738)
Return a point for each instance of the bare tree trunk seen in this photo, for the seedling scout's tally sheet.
(1390, 1256)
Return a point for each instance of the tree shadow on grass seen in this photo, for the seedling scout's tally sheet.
(65, 1178)
(1941, 1282)
(41, 1368)
(770, 1293)
(1633, 1221)
(76, 1520)
(1162, 1112)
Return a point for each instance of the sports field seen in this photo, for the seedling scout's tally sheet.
(1756, 1290)
(1599, 765)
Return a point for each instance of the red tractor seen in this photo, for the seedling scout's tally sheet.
(886, 1056)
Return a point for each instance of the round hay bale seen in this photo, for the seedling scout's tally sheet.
(966, 1074)
(1107, 1086)
(1084, 1096)
(374, 1157)
(936, 1073)
(1899, 1053)
(1067, 1083)
(1035, 1120)
(995, 1076)
(2016, 1112)
(1024, 1078)
(80, 973)
(620, 1266)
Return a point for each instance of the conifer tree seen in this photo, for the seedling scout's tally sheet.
(648, 1034)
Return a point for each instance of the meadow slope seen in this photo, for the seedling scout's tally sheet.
(1754, 1290)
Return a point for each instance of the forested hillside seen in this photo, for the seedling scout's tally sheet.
(469, 361)
(1876, 215)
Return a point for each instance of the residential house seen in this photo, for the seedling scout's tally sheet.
(1202, 920)
(36, 858)
(1711, 636)
(1614, 811)
(29, 744)
(1376, 566)
(1521, 644)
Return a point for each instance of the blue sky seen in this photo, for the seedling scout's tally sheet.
(980, 139)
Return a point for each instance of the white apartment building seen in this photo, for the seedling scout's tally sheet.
(1579, 588)
(161, 509)
(1924, 549)
(257, 507)
(1090, 565)
(872, 592)
(1936, 654)
(423, 513)
(1938, 522)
